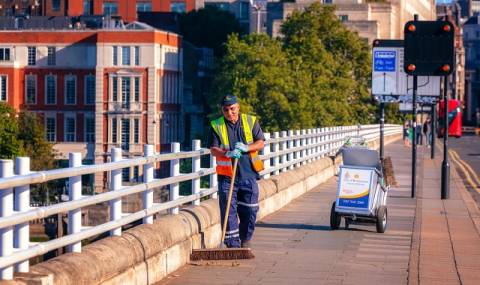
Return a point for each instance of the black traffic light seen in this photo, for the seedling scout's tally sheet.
(429, 48)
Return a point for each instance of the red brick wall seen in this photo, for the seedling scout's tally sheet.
(75, 7)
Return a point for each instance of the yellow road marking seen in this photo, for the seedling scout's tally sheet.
(466, 170)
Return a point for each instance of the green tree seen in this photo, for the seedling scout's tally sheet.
(32, 134)
(209, 27)
(10, 145)
(317, 74)
(22, 134)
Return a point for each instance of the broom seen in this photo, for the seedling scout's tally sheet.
(223, 253)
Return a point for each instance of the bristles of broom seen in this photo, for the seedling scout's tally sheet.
(221, 254)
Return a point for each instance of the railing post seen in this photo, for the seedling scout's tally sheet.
(148, 177)
(74, 193)
(303, 144)
(195, 168)
(314, 142)
(213, 177)
(266, 151)
(6, 234)
(22, 204)
(284, 145)
(275, 149)
(174, 171)
(116, 184)
(290, 146)
(298, 143)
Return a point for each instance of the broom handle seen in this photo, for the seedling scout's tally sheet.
(229, 200)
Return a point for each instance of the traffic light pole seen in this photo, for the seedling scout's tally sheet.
(433, 121)
(382, 131)
(445, 190)
(414, 142)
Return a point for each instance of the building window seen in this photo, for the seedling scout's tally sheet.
(125, 55)
(110, 8)
(137, 89)
(126, 134)
(137, 55)
(31, 89)
(343, 18)
(114, 89)
(136, 131)
(51, 56)
(55, 5)
(3, 88)
(178, 7)
(70, 90)
(32, 55)
(135, 173)
(4, 54)
(90, 89)
(115, 55)
(50, 129)
(220, 5)
(90, 129)
(51, 89)
(87, 7)
(114, 130)
(245, 11)
(126, 89)
(144, 6)
(70, 129)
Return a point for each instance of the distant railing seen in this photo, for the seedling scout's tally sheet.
(283, 151)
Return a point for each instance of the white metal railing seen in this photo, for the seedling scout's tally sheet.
(283, 151)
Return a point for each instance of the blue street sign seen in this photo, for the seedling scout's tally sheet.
(384, 61)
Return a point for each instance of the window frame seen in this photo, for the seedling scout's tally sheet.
(88, 134)
(65, 90)
(137, 55)
(86, 80)
(27, 78)
(3, 57)
(115, 55)
(126, 56)
(114, 131)
(136, 130)
(51, 55)
(4, 87)
(31, 55)
(47, 133)
(65, 128)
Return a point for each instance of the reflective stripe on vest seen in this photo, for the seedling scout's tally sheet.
(224, 164)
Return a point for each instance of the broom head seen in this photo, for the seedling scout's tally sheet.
(221, 254)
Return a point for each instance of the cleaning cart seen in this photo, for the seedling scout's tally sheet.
(361, 195)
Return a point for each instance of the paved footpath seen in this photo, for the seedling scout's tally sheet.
(428, 241)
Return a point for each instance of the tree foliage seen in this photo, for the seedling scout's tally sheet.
(22, 134)
(317, 74)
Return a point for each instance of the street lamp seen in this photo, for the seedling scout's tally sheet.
(258, 5)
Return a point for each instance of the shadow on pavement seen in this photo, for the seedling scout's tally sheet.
(293, 226)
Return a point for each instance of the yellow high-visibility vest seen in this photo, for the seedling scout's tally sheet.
(224, 164)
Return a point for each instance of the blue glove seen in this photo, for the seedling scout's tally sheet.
(241, 147)
(234, 154)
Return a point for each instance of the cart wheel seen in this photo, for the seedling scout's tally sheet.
(335, 218)
(381, 219)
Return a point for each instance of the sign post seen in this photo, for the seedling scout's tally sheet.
(429, 51)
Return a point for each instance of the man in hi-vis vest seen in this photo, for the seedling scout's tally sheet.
(237, 135)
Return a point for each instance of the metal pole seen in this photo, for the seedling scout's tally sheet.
(258, 20)
(414, 142)
(432, 130)
(445, 165)
(6, 209)
(382, 130)
(115, 185)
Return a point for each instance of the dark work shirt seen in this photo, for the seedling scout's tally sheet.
(235, 134)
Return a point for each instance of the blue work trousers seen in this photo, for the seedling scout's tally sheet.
(243, 209)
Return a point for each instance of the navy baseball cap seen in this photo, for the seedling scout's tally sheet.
(229, 100)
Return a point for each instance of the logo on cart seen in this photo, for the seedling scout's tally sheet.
(356, 178)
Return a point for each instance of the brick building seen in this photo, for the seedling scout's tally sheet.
(127, 9)
(96, 89)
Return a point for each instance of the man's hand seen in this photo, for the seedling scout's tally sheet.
(236, 153)
(241, 147)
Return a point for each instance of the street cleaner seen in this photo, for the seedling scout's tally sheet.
(237, 136)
